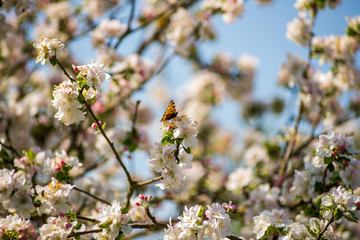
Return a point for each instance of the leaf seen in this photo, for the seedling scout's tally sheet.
(328, 160)
(187, 150)
(338, 214)
(105, 225)
(77, 226)
(331, 167)
(29, 154)
(53, 60)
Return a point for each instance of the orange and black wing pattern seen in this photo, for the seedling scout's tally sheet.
(170, 112)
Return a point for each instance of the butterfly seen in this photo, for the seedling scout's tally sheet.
(170, 112)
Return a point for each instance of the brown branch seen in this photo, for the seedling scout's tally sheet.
(292, 141)
(91, 195)
(325, 228)
(84, 232)
(140, 184)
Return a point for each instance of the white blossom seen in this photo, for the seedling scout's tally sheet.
(67, 104)
(47, 48)
(54, 198)
(117, 221)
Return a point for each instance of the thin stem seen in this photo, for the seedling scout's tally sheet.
(325, 228)
(91, 195)
(324, 176)
(111, 144)
(153, 219)
(134, 117)
(84, 232)
(86, 219)
(11, 148)
(292, 141)
(65, 72)
(140, 184)
(118, 158)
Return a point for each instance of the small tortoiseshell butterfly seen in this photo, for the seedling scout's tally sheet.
(170, 112)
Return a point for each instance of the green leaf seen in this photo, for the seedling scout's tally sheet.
(124, 210)
(77, 226)
(200, 212)
(29, 154)
(331, 167)
(328, 160)
(105, 225)
(179, 140)
(338, 214)
(53, 61)
(187, 150)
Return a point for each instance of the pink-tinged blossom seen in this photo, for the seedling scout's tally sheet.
(47, 48)
(57, 228)
(343, 201)
(219, 221)
(93, 73)
(116, 221)
(13, 225)
(107, 29)
(230, 9)
(181, 27)
(66, 102)
(238, 179)
(194, 224)
(54, 198)
(16, 193)
(299, 30)
(275, 218)
(186, 129)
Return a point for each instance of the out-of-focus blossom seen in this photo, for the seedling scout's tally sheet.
(47, 48)
(67, 103)
(299, 30)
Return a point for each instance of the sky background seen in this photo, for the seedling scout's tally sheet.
(260, 32)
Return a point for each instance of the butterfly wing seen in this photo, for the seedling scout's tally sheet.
(170, 112)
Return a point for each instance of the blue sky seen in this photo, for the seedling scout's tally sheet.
(260, 32)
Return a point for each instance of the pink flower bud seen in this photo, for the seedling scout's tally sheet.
(95, 125)
(358, 205)
(76, 69)
(333, 153)
(341, 149)
(57, 168)
(137, 204)
(62, 215)
(68, 225)
(62, 163)
(346, 163)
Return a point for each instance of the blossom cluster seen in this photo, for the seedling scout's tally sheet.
(172, 155)
(198, 223)
(47, 49)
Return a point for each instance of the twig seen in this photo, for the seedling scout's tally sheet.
(327, 225)
(91, 195)
(292, 141)
(84, 232)
(86, 219)
(11, 148)
(111, 144)
(133, 128)
(140, 184)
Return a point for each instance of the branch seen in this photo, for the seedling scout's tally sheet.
(292, 141)
(140, 184)
(91, 195)
(327, 225)
(118, 158)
